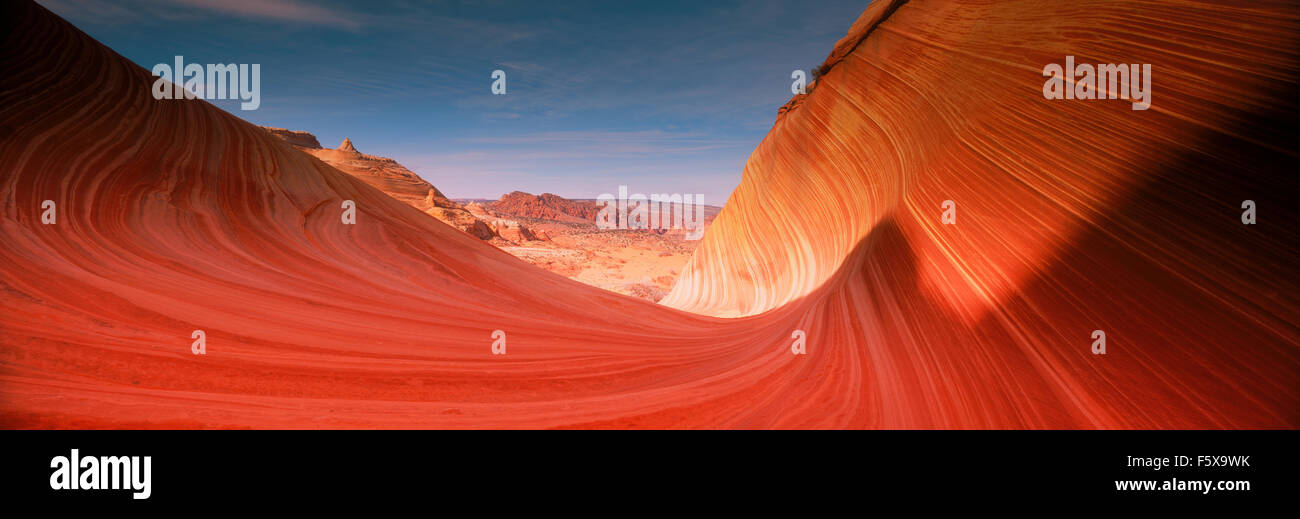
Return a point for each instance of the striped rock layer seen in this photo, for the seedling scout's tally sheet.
(1072, 216)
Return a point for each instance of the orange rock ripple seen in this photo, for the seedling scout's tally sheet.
(1072, 216)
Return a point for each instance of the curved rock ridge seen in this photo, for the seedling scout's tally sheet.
(1072, 216)
(174, 216)
(389, 176)
(925, 102)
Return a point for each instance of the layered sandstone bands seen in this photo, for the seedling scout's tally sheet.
(392, 178)
(931, 101)
(1072, 216)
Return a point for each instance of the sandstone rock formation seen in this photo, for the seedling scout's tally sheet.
(512, 230)
(347, 146)
(545, 206)
(392, 178)
(296, 138)
(175, 216)
(455, 215)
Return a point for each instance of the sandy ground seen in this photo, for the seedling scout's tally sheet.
(639, 264)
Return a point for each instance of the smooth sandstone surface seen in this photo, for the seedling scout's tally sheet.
(175, 216)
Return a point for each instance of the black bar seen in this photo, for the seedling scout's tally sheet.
(321, 468)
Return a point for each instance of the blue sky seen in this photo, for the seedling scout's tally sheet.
(661, 96)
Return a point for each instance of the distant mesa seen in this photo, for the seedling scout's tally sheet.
(545, 206)
(547, 230)
(296, 138)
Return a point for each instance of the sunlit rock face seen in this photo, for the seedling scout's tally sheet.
(545, 206)
(925, 102)
(1071, 216)
(392, 178)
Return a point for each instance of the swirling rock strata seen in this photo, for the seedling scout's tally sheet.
(174, 216)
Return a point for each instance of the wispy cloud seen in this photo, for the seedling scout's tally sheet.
(661, 95)
(585, 163)
(98, 11)
(278, 10)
